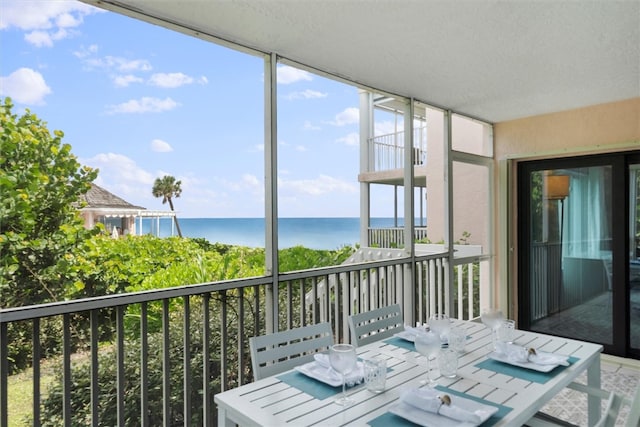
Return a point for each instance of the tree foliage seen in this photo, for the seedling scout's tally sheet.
(41, 182)
(167, 187)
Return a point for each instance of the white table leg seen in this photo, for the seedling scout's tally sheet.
(593, 380)
(223, 421)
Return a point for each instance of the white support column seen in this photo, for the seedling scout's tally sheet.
(271, 189)
(448, 206)
(409, 246)
(366, 163)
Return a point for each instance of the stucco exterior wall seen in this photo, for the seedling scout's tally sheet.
(606, 127)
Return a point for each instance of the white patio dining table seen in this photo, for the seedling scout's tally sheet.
(293, 399)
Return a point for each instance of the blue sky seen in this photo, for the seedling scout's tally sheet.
(139, 102)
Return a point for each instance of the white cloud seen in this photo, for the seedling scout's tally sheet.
(86, 51)
(143, 105)
(117, 168)
(126, 80)
(25, 86)
(288, 75)
(119, 64)
(306, 94)
(44, 21)
(300, 148)
(170, 80)
(352, 140)
(324, 184)
(160, 146)
(308, 126)
(349, 116)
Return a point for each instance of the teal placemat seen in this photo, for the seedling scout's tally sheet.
(313, 387)
(522, 373)
(308, 385)
(389, 419)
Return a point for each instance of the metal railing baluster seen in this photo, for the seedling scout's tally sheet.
(223, 341)
(120, 373)
(186, 375)
(144, 366)
(95, 382)
(207, 407)
(240, 336)
(36, 371)
(66, 370)
(4, 374)
(166, 365)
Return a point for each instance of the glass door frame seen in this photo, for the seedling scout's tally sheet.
(619, 163)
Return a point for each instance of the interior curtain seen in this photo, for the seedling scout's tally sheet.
(586, 226)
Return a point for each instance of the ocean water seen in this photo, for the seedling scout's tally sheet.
(314, 233)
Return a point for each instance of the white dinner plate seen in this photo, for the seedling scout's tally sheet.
(406, 335)
(429, 419)
(411, 336)
(501, 357)
(329, 376)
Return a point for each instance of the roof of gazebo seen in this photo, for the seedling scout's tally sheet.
(99, 198)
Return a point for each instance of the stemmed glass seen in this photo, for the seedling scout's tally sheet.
(343, 360)
(428, 344)
(440, 324)
(491, 317)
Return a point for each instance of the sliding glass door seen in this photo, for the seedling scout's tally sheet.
(577, 249)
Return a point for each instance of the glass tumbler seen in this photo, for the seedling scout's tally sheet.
(457, 339)
(448, 363)
(375, 374)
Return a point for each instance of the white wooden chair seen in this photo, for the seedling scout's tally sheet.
(278, 352)
(376, 324)
(610, 413)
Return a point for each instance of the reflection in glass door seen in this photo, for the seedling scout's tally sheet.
(570, 290)
(634, 255)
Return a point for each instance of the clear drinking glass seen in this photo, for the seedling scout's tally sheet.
(505, 331)
(428, 345)
(448, 362)
(375, 374)
(457, 338)
(343, 360)
(440, 325)
(491, 317)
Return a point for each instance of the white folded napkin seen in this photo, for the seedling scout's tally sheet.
(414, 331)
(354, 377)
(521, 354)
(428, 400)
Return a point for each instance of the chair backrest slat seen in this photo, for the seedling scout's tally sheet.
(278, 352)
(633, 418)
(375, 324)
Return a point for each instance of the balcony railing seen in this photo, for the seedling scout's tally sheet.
(393, 237)
(386, 152)
(212, 323)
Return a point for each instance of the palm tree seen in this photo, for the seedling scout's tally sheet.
(167, 187)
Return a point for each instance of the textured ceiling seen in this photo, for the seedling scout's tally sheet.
(493, 60)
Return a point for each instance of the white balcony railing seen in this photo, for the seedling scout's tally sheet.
(386, 152)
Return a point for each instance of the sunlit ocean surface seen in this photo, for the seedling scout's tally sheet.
(314, 233)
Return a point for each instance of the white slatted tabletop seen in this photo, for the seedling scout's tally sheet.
(274, 402)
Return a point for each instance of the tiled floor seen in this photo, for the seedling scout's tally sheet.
(619, 375)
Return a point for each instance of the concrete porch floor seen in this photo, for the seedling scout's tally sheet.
(617, 374)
